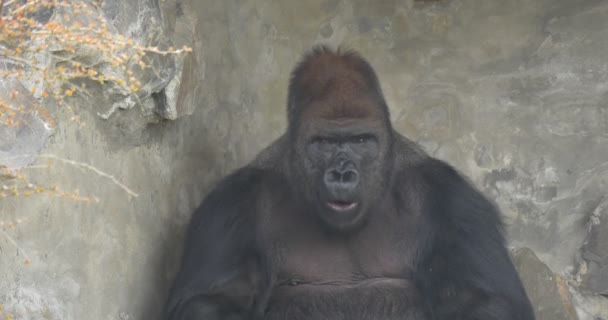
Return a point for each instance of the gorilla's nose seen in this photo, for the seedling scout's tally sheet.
(341, 182)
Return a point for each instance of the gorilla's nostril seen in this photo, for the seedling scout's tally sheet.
(335, 175)
(349, 176)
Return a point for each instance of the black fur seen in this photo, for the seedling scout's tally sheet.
(421, 243)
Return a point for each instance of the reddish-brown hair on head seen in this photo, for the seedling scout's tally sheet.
(337, 78)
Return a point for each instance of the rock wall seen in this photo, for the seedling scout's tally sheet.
(513, 93)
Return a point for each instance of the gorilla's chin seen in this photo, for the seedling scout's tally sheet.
(342, 216)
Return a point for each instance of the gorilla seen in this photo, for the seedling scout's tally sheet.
(344, 218)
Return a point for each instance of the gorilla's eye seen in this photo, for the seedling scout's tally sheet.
(362, 138)
(323, 140)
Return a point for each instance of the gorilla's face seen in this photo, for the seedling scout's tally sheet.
(343, 160)
(341, 135)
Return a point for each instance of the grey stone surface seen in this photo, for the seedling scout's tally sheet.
(513, 93)
(141, 21)
(29, 128)
(594, 269)
(547, 291)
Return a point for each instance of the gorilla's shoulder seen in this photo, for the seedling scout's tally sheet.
(271, 156)
(247, 183)
(409, 155)
(236, 194)
(247, 180)
(407, 152)
(438, 176)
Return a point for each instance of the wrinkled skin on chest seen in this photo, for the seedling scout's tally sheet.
(365, 274)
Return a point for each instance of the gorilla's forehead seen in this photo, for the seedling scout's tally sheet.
(344, 126)
(334, 85)
(339, 110)
(341, 98)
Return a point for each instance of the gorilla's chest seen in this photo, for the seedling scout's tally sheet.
(324, 278)
(306, 255)
(323, 274)
(304, 251)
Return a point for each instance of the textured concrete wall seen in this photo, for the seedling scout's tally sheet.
(513, 93)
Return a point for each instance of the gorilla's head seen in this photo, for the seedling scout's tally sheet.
(340, 136)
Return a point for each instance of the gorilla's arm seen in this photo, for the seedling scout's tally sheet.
(468, 272)
(219, 277)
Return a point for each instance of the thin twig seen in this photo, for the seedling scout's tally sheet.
(1, 7)
(41, 166)
(91, 168)
(23, 7)
(80, 165)
(17, 60)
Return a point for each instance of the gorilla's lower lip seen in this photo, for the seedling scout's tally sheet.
(341, 205)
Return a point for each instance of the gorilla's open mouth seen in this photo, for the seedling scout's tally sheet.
(341, 206)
